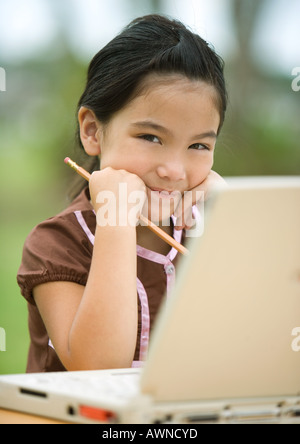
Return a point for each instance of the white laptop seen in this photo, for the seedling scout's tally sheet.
(226, 347)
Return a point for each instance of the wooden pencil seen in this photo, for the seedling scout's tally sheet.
(158, 231)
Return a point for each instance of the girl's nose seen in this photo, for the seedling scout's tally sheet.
(173, 170)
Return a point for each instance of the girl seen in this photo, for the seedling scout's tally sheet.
(152, 109)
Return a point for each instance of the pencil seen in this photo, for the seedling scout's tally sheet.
(154, 228)
(81, 171)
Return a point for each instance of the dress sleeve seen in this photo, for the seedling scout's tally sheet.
(55, 250)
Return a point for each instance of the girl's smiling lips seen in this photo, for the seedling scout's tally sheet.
(161, 190)
(164, 194)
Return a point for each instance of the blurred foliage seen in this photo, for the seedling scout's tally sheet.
(261, 134)
(37, 122)
(37, 125)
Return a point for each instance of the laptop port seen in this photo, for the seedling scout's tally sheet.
(294, 412)
(31, 392)
(210, 417)
(198, 418)
(71, 411)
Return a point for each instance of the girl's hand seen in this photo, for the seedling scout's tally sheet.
(117, 197)
(183, 212)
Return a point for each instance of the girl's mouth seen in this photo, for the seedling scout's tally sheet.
(161, 195)
(165, 193)
(161, 203)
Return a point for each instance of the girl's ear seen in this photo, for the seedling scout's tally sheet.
(90, 130)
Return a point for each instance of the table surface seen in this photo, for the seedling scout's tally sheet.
(11, 417)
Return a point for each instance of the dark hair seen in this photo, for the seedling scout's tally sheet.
(149, 44)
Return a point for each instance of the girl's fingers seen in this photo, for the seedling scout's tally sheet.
(184, 211)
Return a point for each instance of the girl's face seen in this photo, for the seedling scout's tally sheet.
(166, 136)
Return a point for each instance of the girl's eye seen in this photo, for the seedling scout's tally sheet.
(150, 138)
(199, 146)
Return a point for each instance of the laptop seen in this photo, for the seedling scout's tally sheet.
(226, 345)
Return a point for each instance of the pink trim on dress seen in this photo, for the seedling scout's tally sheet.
(145, 321)
(137, 364)
(84, 226)
(160, 259)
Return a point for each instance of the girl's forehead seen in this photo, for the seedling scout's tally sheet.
(169, 82)
(173, 102)
(163, 91)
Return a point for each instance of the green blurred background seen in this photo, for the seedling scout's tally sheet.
(45, 50)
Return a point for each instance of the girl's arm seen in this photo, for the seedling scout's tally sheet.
(95, 327)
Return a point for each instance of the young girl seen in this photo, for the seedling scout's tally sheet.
(152, 109)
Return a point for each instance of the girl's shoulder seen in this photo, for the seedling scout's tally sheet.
(66, 225)
(59, 248)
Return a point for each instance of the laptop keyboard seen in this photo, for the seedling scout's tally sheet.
(120, 384)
